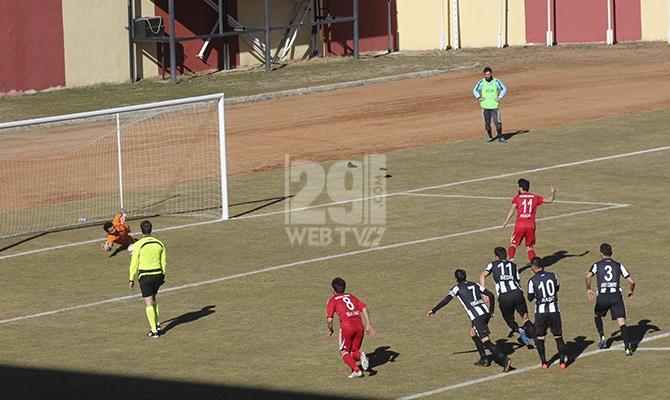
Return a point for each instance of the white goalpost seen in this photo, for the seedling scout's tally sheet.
(160, 159)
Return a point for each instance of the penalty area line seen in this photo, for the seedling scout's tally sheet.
(482, 179)
(407, 192)
(65, 246)
(292, 264)
(525, 369)
(653, 348)
(459, 196)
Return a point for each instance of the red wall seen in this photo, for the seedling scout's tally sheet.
(579, 21)
(627, 20)
(583, 21)
(196, 18)
(372, 26)
(536, 21)
(31, 45)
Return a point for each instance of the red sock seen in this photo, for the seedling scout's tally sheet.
(511, 251)
(349, 360)
(531, 254)
(356, 355)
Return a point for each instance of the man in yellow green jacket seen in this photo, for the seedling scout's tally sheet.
(489, 91)
(148, 265)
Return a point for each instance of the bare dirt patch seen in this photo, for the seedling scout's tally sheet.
(568, 85)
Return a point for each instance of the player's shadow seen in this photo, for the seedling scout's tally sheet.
(505, 346)
(572, 349)
(508, 347)
(118, 250)
(381, 356)
(188, 317)
(507, 136)
(552, 259)
(636, 333)
(512, 333)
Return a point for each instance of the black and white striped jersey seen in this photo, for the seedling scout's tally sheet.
(505, 274)
(543, 288)
(470, 294)
(608, 273)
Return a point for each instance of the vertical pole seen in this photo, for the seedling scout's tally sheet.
(456, 34)
(443, 39)
(268, 43)
(226, 40)
(550, 34)
(173, 44)
(356, 55)
(223, 157)
(163, 60)
(500, 23)
(388, 23)
(223, 18)
(118, 149)
(610, 34)
(314, 41)
(668, 21)
(131, 43)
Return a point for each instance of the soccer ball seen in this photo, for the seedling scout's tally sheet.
(130, 249)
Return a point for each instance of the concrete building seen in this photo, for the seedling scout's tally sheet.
(71, 43)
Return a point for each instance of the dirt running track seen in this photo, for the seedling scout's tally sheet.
(416, 112)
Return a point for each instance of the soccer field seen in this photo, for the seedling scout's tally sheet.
(243, 308)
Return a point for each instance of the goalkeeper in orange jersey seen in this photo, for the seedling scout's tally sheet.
(118, 232)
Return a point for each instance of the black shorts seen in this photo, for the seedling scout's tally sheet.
(481, 325)
(548, 320)
(150, 284)
(610, 302)
(511, 301)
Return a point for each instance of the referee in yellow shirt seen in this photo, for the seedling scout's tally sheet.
(148, 264)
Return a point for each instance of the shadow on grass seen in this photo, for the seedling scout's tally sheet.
(268, 203)
(23, 241)
(636, 333)
(573, 349)
(118, 250)
(507, 136)
(381, 356)
(552, 259)
(509, 347)
(188, 317)
(506, 347)
(30, 383)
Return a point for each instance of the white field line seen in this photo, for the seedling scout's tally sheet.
(458, 196)
(64, 246)
(411, 191)
(278, 267)
(297, 263)
(339, 255)
(592, 160)
(572, 164)
(653, 348)
(526, 369)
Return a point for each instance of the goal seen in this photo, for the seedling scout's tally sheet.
(159, 159)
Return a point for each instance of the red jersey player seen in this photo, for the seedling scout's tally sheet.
(349, 309)
(525, 205)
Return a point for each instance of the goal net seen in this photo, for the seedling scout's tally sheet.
(159, 159)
